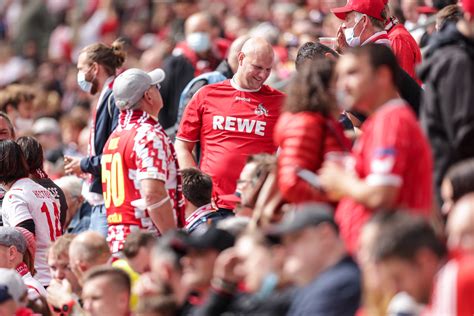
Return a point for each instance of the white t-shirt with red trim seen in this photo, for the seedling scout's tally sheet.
(231, 123)
(28, 200)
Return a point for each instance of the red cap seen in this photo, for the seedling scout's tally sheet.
(468, 6)
(232, 198)
(371, 8)
(426, 10)
(30, 240)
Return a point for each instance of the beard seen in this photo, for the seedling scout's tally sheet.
(95, 87)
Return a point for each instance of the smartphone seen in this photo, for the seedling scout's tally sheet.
(310, 177)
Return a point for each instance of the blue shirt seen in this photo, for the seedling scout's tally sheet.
(336, 291)
(81, 220)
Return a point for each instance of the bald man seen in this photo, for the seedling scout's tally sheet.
(226, 70)
(460, 226)
(232, 119)
(87, 250)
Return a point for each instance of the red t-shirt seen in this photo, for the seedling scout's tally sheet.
(392, 150)
(405, 48)
(454, 289)
(138, 149)
(231, 123)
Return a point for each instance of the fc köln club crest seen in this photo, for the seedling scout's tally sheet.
(261, 110)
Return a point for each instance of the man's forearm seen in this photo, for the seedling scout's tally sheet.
(163, 217)
(371, 196)
(158, 204)
(186, 160)
(184, 152)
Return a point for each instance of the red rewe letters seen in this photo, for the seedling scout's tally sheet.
(237, 124)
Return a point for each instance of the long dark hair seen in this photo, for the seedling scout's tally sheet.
(12, 162)
(310, 89)
(461, 176)
(32, 151)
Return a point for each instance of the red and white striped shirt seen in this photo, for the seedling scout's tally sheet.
(453, 293)
(138, 149)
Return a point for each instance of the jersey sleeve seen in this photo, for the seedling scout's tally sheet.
(151, 157)
(190, 126)
(15, 207)
(405, 55)
(388, 152)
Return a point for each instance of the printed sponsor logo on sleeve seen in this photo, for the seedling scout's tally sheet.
(383, 161)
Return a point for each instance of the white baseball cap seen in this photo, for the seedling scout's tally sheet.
(46, 125)
(130, 86)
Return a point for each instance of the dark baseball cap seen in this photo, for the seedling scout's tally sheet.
(4, 294)
(212, 238)
(174, 240)
(302, 216)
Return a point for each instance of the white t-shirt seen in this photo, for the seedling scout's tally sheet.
(28, 200)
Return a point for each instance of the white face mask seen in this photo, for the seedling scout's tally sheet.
(85, 85)
(351, 39)
(199, 41)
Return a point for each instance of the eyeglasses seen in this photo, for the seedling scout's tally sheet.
(157, 86)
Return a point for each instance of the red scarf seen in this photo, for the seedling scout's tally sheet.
(22, 269)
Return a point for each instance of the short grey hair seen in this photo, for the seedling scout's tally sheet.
(9, 236)
(72, 184)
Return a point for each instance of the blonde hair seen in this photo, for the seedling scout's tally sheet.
(14, 94)
(61, 245)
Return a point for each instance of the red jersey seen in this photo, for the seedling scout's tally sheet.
(138, 149)
(392, 150)
(231, 123)
(454, 289)
(405, 48)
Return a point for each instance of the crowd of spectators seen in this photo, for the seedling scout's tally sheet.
(267, 157)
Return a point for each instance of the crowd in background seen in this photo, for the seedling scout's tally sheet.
(264, 157)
